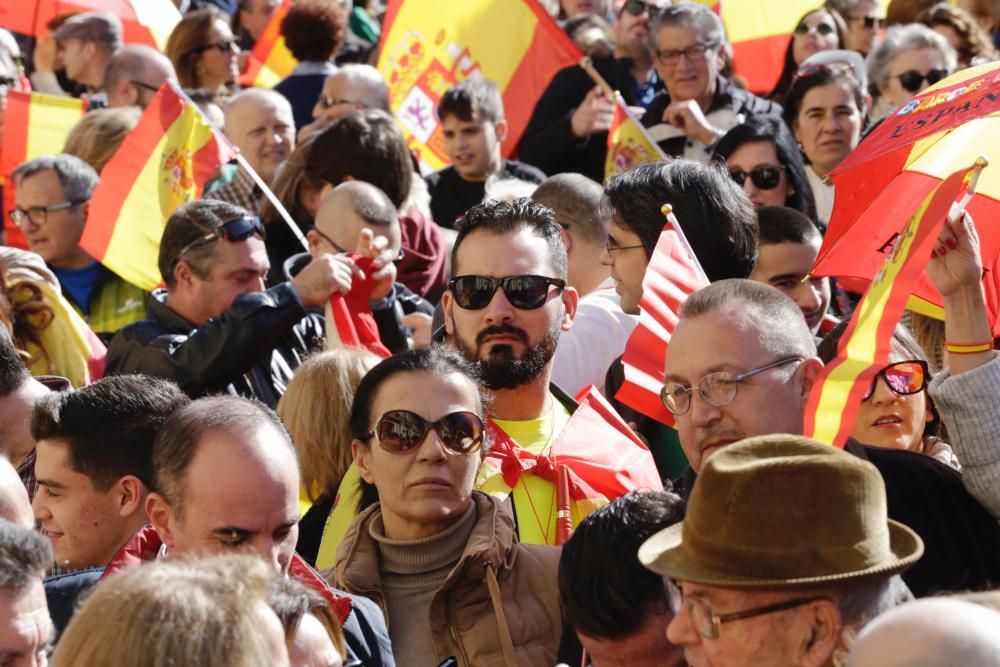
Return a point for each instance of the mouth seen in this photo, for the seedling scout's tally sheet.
(431, 484)
(887, 421)
(713, 446)
(52, 536)
(464, 158)
(813, 319)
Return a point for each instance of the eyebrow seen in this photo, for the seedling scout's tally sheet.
(50, 484)
(785, 276)
(731, 368)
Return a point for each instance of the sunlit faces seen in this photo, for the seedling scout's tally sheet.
(26, 632)
(423, 490)
(828, 126)
(218, 66)
(254, 15)
(785, 266)
(921, 61)
(338, 98)
(757, 155)
(686, 78)
(816, 32)
(73, 57)
(887, 419)
(473, 146)
(57, 240)
(863, 22)
(264, 131)
(237, 268)
(627, 258)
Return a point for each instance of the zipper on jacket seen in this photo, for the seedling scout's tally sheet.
(455, 637)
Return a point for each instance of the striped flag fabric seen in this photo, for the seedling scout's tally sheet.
(163, 163)
(35, 124)
(270, 61)
(428, 46)
(864, 347)
(673, 274)
(629, 145)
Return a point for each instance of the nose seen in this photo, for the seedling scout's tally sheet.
(807, 297)
(499, 310)
(701, 412)
(749, 187)
(432, 448)
(272, 553)
(39, 508)
(681, 631)
(882, 394)
(606, 258)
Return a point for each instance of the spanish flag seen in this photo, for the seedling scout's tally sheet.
(428, 46)
(163, 163)
(864, 347)
(35, 124)
(143, 21)
(270, 61)
(629, 145)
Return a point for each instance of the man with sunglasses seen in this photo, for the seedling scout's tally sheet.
(864, 20)
(742, 363)
(214, 328)
(699, 104)
(134, 75)
(568, 128)
(87, 43)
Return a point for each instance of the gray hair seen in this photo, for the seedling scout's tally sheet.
(704, 20)
(371, 85)
(77, 178)
(899, 38)
(781, 327)
(25, 555)
(861, 602)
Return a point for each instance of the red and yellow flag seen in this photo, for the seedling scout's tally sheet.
(35, 124)
(163, 163)
(428, 46)
(629, 145)
(864, 347)
(143, 21)
(270, 61)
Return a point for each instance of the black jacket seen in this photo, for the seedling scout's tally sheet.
(961, 539)
(548, 142)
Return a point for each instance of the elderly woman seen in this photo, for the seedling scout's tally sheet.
(910, 58)
(442, 560)
(203, 51)
(826, 110)
(762, 158)
(818, 30)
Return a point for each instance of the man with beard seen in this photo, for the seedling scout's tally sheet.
(505, 308)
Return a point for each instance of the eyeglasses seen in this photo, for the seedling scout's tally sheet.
(912, 80)
(716, 389)
(524, 292)
(764, 178)
(39, 215)
(803, 29)
(400, 431)
(234, 231)
(637, 7)
(707, 622)
(612, 246)
(224, 45)
(869, 22)
(327, 102)
(694, 53)
(396, 260)
(904, 378)
(144, 85)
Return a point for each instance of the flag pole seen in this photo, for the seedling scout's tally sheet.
(588, 66)
(668, 212)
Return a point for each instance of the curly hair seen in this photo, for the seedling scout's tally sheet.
(25, 314)
(314, 30)
(976, 44)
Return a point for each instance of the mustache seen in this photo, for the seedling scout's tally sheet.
(500, 330)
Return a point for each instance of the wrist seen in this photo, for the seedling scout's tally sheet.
(710, 136)
(966, 319)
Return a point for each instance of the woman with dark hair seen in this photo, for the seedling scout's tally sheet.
(821, 29)
(441, 559)
(203, 51)
(762, 158)
(826, 111)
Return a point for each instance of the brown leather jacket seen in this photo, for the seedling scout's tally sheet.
(499, 606)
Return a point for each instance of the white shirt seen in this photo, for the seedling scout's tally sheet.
(822, 193)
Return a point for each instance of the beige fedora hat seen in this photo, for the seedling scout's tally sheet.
(780, 511)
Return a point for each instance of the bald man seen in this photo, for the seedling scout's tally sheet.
(260, 123)
(933, 632)
(352, 88)
(134, 75)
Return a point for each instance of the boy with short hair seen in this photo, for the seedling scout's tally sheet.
(473, 127)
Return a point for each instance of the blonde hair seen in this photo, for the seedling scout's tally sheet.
(186, 43)
(197, 613)
(99, 134)
(315, 410)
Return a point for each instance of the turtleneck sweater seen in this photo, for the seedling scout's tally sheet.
(412, 571)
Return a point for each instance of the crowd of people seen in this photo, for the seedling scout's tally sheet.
(221, 472)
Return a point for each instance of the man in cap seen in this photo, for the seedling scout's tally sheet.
(87, 42)
(786, 549)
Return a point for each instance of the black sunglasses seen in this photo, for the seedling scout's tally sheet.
(869, 22)
(904, 378)
(637, 7)
(821, 28)
(224, 45)
(524, 292)
(236, 230)
(911, 79)
(765, 178)
(400, 431)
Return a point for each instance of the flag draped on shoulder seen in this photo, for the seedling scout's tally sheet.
(270, 61)
(629, 145)
(673, 274)
(147, 22)
(35, 124)
(864, 347)
(428, 45)
(163, 163)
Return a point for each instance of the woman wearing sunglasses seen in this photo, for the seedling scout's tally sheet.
(204, 52)
(442, 560)
(910, 58)
(818, 30)
(972, 44)
(762, 158)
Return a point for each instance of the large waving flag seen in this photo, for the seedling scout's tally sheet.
(35, 124)
(163, 163)
(270, 61)
(143, 21)
(673, 274)
(428, 46)
(864, 347)
(629, 145)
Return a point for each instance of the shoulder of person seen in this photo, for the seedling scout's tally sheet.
(524, 171)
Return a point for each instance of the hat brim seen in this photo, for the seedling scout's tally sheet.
(663, 553)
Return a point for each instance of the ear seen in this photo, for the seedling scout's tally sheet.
(447, 303)
(162, 517)
(130, 490)
(129, 92)
(570, 299)
(501, 128)
(824, 629)
(362, 457)
(810, 370)
(85, 208)
(183, 274)
(314, 240)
